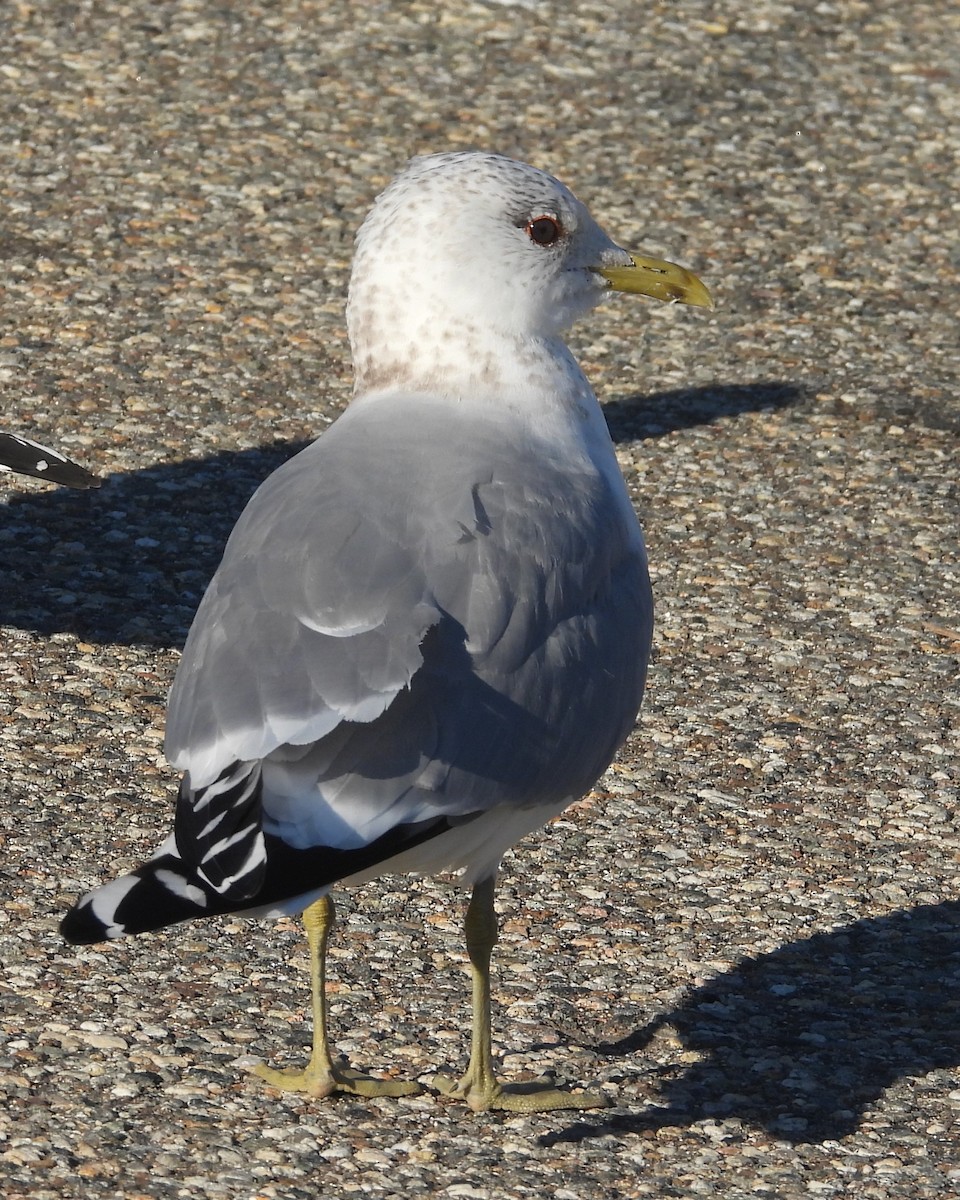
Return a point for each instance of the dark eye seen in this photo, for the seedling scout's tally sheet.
(544, 230)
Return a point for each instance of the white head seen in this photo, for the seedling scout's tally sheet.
(462, 256)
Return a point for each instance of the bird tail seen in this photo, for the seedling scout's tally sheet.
(222, 866)
(158, 893)
(220, 860)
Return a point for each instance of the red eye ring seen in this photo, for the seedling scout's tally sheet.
(544, 230)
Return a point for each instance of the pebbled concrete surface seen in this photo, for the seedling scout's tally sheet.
(750, 935)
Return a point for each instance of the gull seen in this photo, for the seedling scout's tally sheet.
(21, 456)
(430, 629)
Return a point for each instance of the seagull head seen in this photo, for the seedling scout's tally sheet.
(473, 251)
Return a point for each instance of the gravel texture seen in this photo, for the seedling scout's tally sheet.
(750, 934)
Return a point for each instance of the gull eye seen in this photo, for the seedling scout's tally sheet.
(544, 230)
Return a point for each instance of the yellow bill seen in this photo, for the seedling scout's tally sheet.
(660, 279)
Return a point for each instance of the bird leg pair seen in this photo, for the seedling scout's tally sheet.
(479, 1086)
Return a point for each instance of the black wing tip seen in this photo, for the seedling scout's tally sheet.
(89, 481)
(81, 928)
(81, 479)
(22, 456)
(69, 474)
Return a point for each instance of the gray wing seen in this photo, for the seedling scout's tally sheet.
(315, 615)
(413, 612)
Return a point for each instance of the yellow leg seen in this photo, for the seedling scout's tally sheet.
(479, 1086)
(322, 1076)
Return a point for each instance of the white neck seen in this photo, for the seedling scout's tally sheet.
(505, 369)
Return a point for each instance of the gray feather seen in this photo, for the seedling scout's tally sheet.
(315, 627)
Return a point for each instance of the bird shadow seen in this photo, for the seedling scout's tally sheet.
(803, 1040)
(642, 416)
(129, 563)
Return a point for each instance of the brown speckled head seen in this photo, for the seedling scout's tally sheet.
(464, 259)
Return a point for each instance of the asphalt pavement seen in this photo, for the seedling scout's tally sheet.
(749, 934)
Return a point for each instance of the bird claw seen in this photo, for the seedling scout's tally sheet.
(535, 1095)
(334, 1080)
